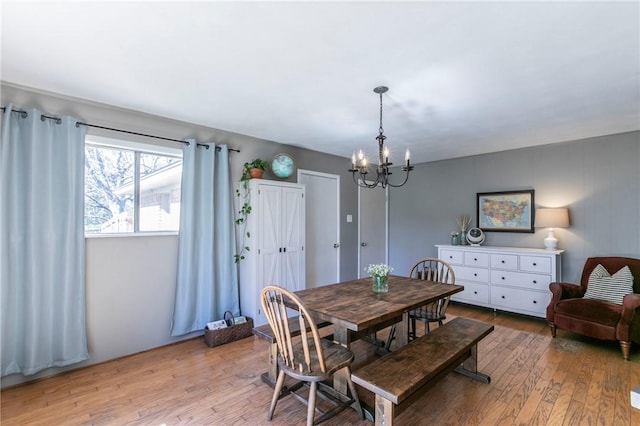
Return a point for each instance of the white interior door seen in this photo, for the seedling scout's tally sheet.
(322, 192)
(372, 228)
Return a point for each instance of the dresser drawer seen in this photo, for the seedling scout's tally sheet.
(504, 261)
(476, 259)
(473, 293)
(464, 273)
(452, 257)
(521, 279)
(533, 302)
(535, 264)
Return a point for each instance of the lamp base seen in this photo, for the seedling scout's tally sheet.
(551, 242)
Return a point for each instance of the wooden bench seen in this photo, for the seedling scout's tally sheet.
(399, 378)
(265, 332)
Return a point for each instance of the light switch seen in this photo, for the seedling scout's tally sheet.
(349, 218)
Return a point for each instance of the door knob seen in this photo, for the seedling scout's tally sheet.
(363, 244)
(336, 245)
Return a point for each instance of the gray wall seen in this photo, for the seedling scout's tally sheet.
(598, 179)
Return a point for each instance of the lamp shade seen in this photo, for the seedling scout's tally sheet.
(552, 218)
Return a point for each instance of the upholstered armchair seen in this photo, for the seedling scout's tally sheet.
(570, 310)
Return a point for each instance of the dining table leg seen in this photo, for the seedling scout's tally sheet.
(342, 336)
(402, 330)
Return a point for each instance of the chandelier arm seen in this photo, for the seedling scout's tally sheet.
(362, 183)
(406, 177)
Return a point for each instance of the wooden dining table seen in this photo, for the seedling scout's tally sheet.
(355, 310)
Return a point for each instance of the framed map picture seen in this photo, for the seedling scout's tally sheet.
(510, 211)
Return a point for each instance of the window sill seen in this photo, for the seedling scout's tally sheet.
(133, 234)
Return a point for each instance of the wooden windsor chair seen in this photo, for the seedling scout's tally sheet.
(308, 359)
(430, 269)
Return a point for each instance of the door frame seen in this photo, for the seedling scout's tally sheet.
(337, 180)
(386, 227)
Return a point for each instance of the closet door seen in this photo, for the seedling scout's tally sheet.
(269, 235)
(293, 256)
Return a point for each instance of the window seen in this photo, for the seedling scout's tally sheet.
(130, 187)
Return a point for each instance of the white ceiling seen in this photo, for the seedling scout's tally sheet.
(465, 77)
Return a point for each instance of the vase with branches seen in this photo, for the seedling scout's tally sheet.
(463, 222)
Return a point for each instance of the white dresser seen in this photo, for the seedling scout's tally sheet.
(506, 278)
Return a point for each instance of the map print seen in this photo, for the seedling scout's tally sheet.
(512, 211)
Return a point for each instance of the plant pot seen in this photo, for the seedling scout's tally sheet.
(256, 173)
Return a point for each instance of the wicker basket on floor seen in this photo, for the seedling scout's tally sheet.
(229, 334)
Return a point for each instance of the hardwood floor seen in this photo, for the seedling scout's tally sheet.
(535, 380)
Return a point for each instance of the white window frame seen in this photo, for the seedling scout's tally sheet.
(137, 148)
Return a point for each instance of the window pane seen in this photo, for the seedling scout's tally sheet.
(108, 190)
(160, 178)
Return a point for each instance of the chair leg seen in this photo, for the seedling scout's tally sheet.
(354, 395)
(553, 329)
(392, 335)
(412, 329)
(311, 406)
(276, 394)
(625, 346)
(427, 329)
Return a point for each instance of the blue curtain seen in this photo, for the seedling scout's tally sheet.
(41, 242)
(207, 278)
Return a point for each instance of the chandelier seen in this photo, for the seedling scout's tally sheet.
(360, 167)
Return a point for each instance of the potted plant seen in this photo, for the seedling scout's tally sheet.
(251, 170)
(254, 169)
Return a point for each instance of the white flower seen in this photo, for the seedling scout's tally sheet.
(378, 270)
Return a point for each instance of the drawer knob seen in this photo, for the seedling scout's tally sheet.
(502, 297)
(475, 259)
(535, 264)
(502, 261)
(535, 282)
(503, 278)
(475, 292)
(475, 275)
(450, 257)
(534, 302)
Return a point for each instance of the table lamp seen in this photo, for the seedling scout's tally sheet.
(552, 218)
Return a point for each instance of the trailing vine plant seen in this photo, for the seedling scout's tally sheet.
(245, 208)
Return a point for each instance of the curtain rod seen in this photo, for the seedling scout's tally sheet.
(79, 123)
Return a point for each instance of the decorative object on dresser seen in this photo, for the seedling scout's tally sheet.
(507, 211)
(552, 218)
(464, 222)
(574, 308)
(475, 236)
(505, 278)
(277, 228)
